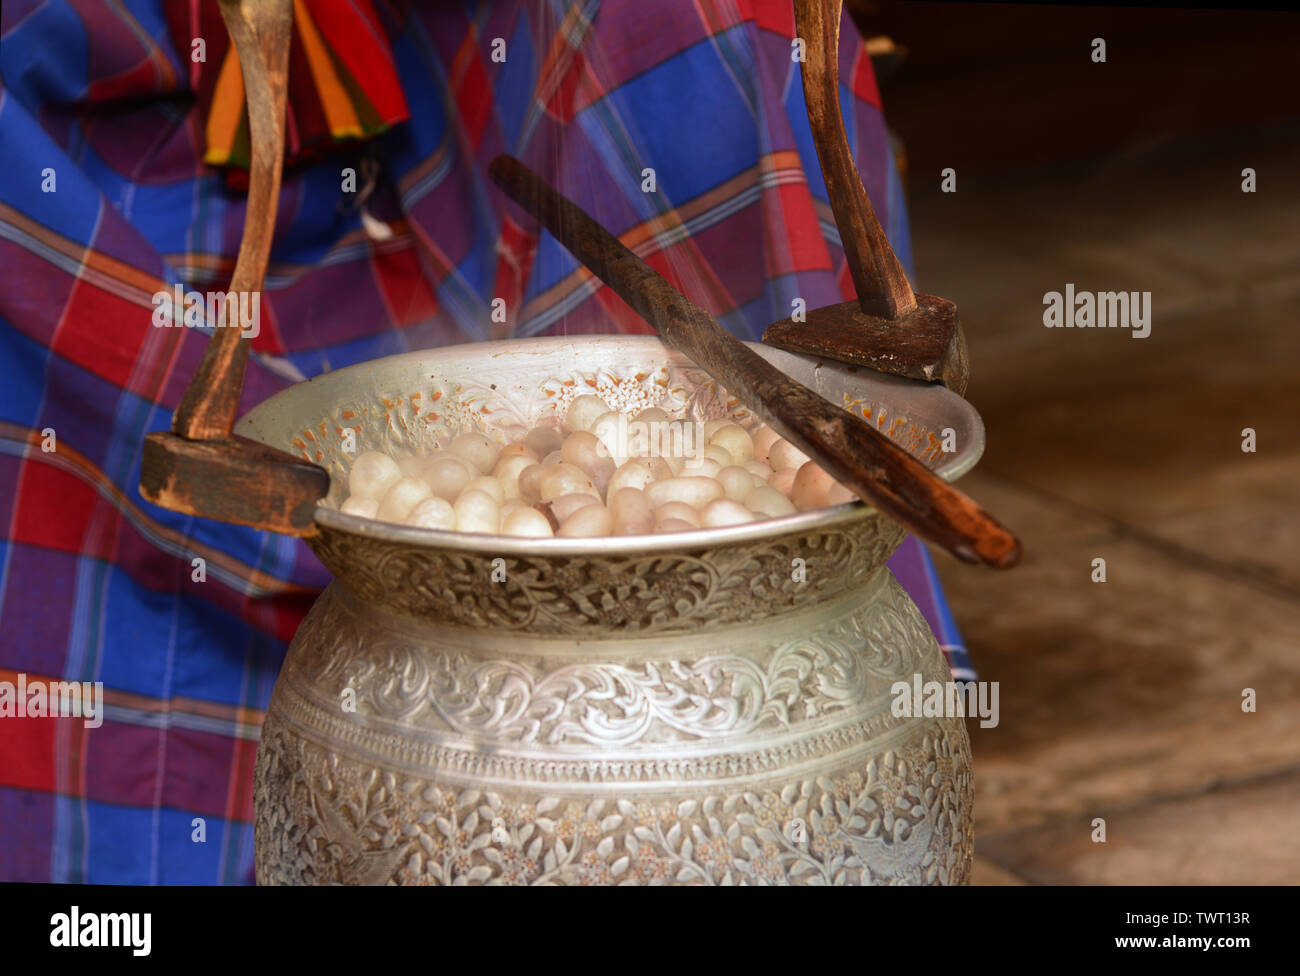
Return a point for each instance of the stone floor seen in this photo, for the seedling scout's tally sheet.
(1122, 700)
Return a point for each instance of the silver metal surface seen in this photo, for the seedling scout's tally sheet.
(708, 707)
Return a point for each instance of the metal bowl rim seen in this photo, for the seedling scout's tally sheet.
(749, 532)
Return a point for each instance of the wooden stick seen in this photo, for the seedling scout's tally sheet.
(857, 454)
(882, 286)
(259, 30)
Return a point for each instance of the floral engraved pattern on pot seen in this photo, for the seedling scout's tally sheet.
(672, 592)
(324, 819)
(627, 390)
(616, 705)
(607, 703)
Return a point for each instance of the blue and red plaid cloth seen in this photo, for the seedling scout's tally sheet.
(105, 200)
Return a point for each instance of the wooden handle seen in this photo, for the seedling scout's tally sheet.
(857, 454)
(260, 32)
(882, 286)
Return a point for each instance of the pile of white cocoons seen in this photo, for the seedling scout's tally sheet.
(570, 481)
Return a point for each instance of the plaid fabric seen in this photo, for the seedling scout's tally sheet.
(105, 200)
(342, 81)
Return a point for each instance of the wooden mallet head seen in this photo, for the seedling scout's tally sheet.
(888, 328)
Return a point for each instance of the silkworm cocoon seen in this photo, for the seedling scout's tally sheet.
(508, 470)
(725, 512)
(737, 483)
(543, 440)
(584, 411)
(360, 505)
(526, 522)
(372, 474)
(582, 450)
(530, 483)
(708, 468)
(673, 525)
(632, 513)
(711, 427)
(433, 513)
(478, 449)
(769, 502)
(659, 468)
(810, 486)
(785, 455)
(631, 474)
(764, 438)
(511, 505)
(719, 455)
(448, 475)
(517, 449)
(545, 509)
(696, 492)
(735, 440)
(411, 466)
(566, 505)
(611, 429)
(489, 486)
(570, 479)
(600, 474)
(593, 520)
(477, 512)
(398, 501)
(680, 511)
(652, 415)
(783, 480)
(564, 479)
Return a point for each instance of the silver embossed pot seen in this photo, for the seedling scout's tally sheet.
(699, 708)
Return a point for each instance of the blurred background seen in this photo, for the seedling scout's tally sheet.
(1121, 700)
